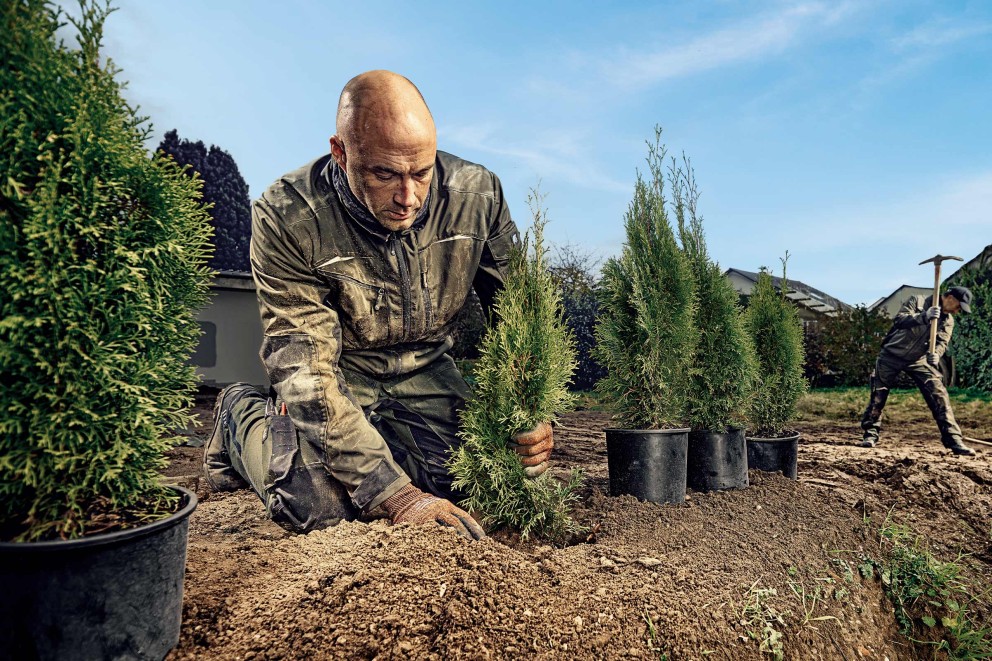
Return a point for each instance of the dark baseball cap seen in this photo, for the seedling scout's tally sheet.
(963, 294)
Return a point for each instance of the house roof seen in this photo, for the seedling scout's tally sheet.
(800, 293)
(233, 280)
(980, 260)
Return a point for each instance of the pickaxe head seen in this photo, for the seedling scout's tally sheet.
(937, 259)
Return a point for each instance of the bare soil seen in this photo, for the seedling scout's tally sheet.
(655, 582)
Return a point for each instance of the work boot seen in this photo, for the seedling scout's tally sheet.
(957, 447)
(868, 442)
(217, 468)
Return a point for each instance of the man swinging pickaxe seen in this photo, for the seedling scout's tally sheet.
(906, 349)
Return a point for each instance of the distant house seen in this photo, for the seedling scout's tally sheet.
(813, 304)
(232, 333)
(890, 304)
(980, 261)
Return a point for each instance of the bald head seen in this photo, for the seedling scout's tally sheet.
(382, 101)
(386, 144)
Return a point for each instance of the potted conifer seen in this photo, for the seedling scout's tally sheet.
(646, 341)
(102, 256)
(526, 361)
(777, 332)
(724, 365)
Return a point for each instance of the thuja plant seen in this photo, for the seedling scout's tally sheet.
(102, 255)
(526, 361)
(724, 365)
(777, 332)
(646, 337)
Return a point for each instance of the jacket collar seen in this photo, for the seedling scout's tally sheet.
(360, 213)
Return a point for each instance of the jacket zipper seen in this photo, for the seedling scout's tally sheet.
(405, 278)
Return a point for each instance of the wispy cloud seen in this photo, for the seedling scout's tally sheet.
(753, 39)
(939, 33)
(549, 154)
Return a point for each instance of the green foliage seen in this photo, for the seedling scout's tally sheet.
(521, 379)
(932, 602)
(777, 332)
(645, 333)
(725, 366)
(575, 273)
(851, 342)
(971, 345)
(102, 256)
(224, 192)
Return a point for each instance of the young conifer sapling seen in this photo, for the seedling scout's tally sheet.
(526, 361)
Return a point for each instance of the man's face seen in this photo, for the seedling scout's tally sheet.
(950, 304)
(389, 170)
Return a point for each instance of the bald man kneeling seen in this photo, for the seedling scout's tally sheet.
(362, 259)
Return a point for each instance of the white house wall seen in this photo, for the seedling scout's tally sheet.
(228, 351)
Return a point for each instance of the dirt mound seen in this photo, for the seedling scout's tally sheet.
(733, 575)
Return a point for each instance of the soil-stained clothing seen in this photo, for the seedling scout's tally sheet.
(909, 338)
(904, 349)
(337, 291)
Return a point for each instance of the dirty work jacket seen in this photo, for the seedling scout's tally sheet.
(335, 290)
(909, 337)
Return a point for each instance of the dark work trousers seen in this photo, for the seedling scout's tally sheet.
(417, 415)
(927, 379)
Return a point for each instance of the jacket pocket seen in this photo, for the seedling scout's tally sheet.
(361, 303)
(448, 267)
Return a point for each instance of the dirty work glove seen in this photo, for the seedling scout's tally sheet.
(411, 505)
(534, 448)
(933, 359)
(931, 313)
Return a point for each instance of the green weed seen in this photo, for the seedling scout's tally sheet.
(761, 621)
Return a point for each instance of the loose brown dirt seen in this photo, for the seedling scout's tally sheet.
(657, 582)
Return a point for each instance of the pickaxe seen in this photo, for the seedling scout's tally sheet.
(936, 293)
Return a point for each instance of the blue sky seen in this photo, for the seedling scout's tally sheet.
(855, 135)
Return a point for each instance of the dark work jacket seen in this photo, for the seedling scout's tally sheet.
(336, 291)
(909, 337)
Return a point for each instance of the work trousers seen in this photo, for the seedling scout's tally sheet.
(416, 414)
(927, 379)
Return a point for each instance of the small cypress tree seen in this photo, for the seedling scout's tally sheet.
(724, 363)
(645, 334)
(777, 332)
(102, 256)
(522, 377)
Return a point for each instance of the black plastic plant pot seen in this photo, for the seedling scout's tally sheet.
(110, 596)
(774, 454)
(717, 461)
(648, 464)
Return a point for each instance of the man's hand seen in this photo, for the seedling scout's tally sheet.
(932, 313)
(933, 359)
(411, 505)
(534, 448)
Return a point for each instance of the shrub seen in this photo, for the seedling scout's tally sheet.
(851, 342)
(971, 344)
(102, 256)
(724, 364)
(645, 334)
(521, 379)
(224, 192)
(777, 333)
(575, 273)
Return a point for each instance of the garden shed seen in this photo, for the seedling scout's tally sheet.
(231, 333)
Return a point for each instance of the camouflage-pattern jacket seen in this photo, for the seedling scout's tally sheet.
(336, 290)
(909, 337)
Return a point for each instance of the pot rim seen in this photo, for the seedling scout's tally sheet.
(110, 538)
(678, 430)
(775, 439)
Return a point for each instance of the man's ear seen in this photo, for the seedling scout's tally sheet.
(338, 153)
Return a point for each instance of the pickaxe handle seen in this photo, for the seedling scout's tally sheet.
(937, 259)
(935, 301)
